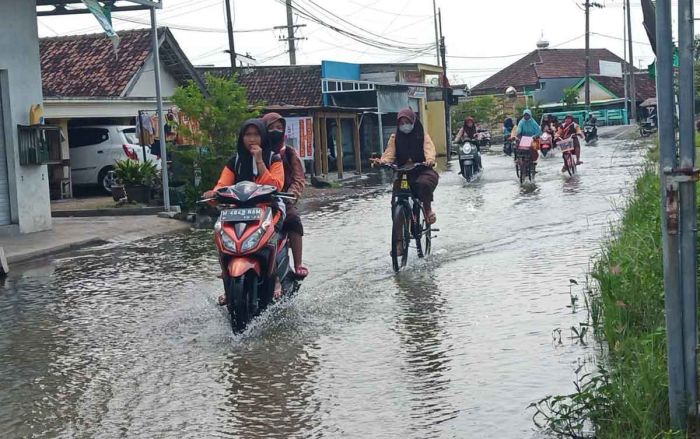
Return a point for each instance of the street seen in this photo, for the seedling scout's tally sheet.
(127, 340)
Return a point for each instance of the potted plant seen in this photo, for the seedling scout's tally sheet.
(136, 177)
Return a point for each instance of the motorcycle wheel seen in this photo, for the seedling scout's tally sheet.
(400, 237)
(544, 152)
(467, 172)
(243, 300)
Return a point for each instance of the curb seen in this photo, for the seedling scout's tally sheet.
(137, 211)
(41, 254)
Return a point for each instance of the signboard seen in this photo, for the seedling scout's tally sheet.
(411, 77)
(416, 92)
(610, 68)
(300, 135)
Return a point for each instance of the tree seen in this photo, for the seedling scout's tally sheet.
(220, 112)
(570, 96)
(484, 109)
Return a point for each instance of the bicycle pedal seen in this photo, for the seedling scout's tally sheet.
(435, 230)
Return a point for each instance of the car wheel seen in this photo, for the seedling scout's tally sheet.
(106, 179)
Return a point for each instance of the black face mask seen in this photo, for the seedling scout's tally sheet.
(276, 137)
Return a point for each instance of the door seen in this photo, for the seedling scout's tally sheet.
(88, 153)
(4, 179)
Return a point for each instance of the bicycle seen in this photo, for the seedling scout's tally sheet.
(524, 167)
(567, 148)
(408, 218)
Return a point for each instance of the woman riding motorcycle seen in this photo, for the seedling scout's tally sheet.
(529, 128)
(467, 133)
(570, 129)
(294, 182)
(411, 144)
(255, 161)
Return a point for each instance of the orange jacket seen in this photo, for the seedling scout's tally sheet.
(274, 176)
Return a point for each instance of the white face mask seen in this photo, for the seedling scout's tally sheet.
(406, 128)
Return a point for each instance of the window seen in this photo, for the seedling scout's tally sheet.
(130, 136)
(78, 137)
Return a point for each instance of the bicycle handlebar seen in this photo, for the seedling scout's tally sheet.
(408, 168)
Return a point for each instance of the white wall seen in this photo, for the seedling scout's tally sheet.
(145, 86)
(19, 57)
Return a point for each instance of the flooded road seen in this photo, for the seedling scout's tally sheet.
(126, 340)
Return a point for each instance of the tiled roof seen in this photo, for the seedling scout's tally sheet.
(645, 87)
(279, 86)
(86, 66)
(545, 63)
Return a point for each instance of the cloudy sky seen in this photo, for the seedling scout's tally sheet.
(482, 36)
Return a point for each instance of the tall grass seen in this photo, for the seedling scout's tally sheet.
(627, 398)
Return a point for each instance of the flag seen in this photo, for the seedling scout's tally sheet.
(103, 14)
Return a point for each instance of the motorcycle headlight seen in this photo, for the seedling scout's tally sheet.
(467, 148)
(228, 243)
(253, 240)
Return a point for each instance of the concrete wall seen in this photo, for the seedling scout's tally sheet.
(21, 76)
(598, 93)
(145, 86)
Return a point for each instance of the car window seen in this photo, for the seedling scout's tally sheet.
(78, 137)
(130, 136)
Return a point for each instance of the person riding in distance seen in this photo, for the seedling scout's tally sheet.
(468, 132)
(529, 128)
(570, 129)
(294, 182)
(412, 144)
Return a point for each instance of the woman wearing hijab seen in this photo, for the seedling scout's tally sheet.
(528, 127)
(294, 182)
(254, 161)
(569, 128)
(468, 130)
(411, 144)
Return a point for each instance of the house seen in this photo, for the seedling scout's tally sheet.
(348, 110)
(24, 193)
(543, 75)
(85, 82)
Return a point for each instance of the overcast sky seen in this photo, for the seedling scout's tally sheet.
(473, 29)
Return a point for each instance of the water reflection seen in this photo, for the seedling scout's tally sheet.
(426, 347)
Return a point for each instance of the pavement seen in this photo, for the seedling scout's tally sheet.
(72, 233)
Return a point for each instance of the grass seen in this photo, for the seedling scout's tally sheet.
(627, 397)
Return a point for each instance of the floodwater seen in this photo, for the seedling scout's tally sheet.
(126, 340)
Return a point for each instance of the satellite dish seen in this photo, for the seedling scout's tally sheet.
(511, 93)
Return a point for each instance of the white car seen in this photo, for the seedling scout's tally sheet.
(94, 150)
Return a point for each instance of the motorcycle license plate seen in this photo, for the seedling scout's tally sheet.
(241, 215)
(468, 162)
(404, 184)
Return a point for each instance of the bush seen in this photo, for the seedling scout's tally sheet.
(134, 173)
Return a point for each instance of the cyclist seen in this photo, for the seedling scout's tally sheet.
(569, 128)
(412, 144)
(528, 127)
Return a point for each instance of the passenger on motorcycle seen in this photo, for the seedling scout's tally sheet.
(255, 161)
(549, 125)
(294, 182)
(570, 129)
(468, 132)
(508, 126)
(528, 127)
(411, 144)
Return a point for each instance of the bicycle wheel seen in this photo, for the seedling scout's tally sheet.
(569, 163)
(530, 171)
(517, 169)
(400, 237)
(422, 231)
(523, 170)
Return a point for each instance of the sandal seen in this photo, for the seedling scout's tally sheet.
(222, 300)
(301, 272)
(277, 293)
(431, 218)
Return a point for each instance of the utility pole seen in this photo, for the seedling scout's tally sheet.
(445, 94)
(624, 64)
(231, 48)
(290, 27)
(437, 38)
(290, 35)
(588, 5)
(633, 89)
